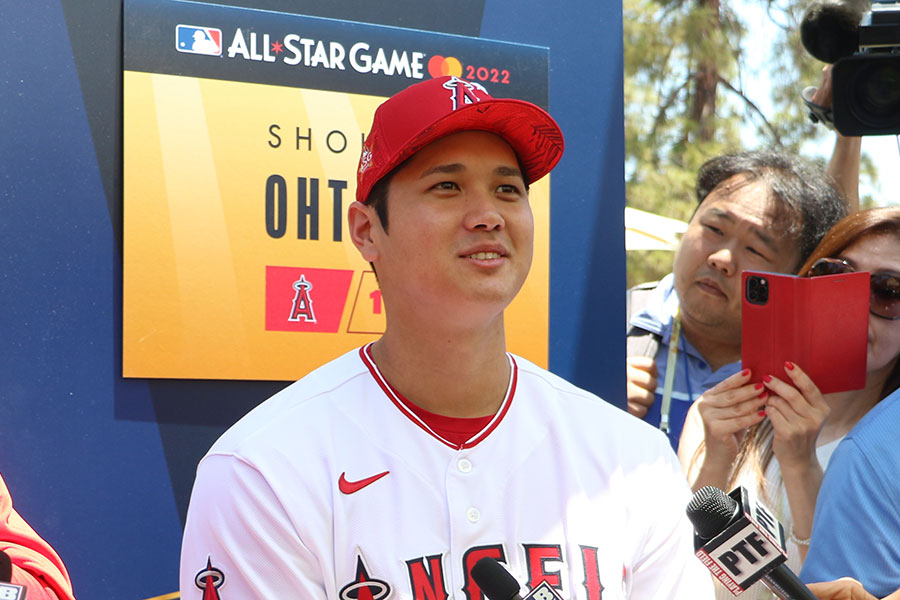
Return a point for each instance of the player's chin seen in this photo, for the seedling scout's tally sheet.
(495, 291)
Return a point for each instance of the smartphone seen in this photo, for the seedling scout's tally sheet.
(819, 323)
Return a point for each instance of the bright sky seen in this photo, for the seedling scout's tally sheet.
(885, 152)
(882, 149)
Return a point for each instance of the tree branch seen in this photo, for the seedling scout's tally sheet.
(754, 108)
(661, 114)
(785, 27)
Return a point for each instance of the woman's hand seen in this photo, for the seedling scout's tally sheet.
(797, 412)
(715, 426)
(844, 588)
(727, 410)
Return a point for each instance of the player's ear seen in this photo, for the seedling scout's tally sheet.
(362, 220)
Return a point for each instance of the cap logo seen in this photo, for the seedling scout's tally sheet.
(365, 160)
(463, 92)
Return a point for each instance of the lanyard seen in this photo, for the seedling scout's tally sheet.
(671, 364)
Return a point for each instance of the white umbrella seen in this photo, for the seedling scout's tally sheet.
(647, 231)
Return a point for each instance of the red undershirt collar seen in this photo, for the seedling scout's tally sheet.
(456, 432)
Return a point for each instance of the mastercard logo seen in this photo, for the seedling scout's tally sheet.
(438, 66)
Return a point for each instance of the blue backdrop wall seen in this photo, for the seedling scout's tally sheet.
(102, 466)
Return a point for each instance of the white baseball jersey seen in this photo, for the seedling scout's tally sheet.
(333, 488)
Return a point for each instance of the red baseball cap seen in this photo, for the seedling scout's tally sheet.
(426, 111)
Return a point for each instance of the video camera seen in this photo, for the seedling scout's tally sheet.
(864, 46)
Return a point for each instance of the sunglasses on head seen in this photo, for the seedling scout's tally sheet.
(884, 301)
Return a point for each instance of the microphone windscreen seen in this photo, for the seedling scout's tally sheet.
(830, 28)
(5, 567)
(710, 511)
(494, 580)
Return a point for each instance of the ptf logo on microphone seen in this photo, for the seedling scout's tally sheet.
(10, 591)
(543, 592)
(748, 548)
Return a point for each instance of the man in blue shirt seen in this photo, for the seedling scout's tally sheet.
(788, 213)
(764, 211)
(856, 530)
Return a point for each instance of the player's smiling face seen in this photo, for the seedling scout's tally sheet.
(460, 233)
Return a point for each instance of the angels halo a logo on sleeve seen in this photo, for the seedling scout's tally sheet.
(209, 579)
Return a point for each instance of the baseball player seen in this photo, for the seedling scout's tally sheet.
(390, 471)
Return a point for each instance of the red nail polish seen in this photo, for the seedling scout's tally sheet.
(764, 395)
(758, 386)
(767, 378)
(761, 413)
(745, 372)
(789, 365)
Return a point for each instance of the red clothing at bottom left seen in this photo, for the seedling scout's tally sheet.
(35, 564)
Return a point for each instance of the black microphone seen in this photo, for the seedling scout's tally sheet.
(740, 542)
(5, 567)
(494, 580)
(497, 583)
(830, 28)
(9, 591)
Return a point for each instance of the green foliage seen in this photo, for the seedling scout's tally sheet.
(647, 265)
(689, 97)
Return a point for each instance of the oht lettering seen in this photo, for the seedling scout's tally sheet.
(306, 207)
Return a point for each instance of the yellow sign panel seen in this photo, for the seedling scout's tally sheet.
(237, 262)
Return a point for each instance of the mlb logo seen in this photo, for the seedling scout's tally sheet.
(198, 40)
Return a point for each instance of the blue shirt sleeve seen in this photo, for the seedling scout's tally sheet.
(856, 532)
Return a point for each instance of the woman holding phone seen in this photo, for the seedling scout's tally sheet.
(775, 437)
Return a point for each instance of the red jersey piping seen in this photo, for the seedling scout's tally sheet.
(402, 403)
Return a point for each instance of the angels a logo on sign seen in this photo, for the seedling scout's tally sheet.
(293, 292)
(463, 92)
(302, 306)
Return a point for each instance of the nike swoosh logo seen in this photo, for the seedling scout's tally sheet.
(351, 487)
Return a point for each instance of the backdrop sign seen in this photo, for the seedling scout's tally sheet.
(242, 132)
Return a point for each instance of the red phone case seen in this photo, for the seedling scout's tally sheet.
(819, 323)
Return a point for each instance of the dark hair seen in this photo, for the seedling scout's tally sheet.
(756, 447)
(848, 231)
(379, 194)
(808, 201)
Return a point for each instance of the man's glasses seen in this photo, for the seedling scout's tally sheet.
(884, 301)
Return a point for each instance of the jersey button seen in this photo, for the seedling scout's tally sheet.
(473, 514)
(464, 465)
